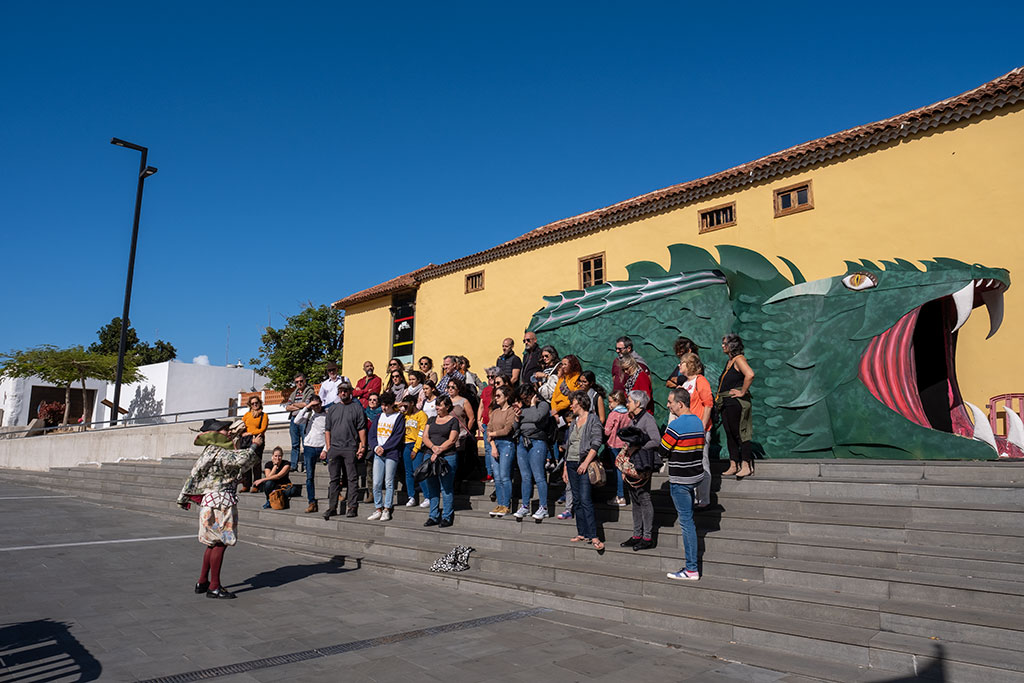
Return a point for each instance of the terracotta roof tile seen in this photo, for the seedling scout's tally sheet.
(1003, 91)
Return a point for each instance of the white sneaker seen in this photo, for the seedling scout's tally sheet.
(425, 503)
(541, 513)
(386, 516)
(411, 503)
(375, 516)
(521, 512)
(684, 575)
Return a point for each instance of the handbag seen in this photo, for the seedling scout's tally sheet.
(429, 468)
(279, 499)
(596, 473)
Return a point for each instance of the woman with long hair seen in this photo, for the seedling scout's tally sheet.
(569, 373)
(535, 430)
(682, 346)
(597, 394)
(256, 423)
(396, 384)
(414, 387)
(502, 428)
(426, 366)
(547, 377)
(734, 395)
(429, 398)
(691, 370)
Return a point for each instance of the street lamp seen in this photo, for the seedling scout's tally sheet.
(144, 172)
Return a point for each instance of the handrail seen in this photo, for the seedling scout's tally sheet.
(47, 430)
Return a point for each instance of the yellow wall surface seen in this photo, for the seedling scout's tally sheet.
(954, 192)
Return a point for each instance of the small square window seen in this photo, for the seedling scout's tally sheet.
(591, 270)
(717, 217)
(793, 199)
(474, 282)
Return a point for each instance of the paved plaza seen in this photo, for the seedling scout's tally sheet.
(98, 593)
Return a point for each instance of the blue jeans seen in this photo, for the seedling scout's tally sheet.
(410, 464)
(582, 504)
(447, 485)
(503, 470)
(383, 477)
(488, 460)
(683, 496)
(310, 456)
(531, 467)
(619, 491)
(295, 431)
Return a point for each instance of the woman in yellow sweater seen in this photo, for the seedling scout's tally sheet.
(412, 456)
(256, 423)
(569, 372)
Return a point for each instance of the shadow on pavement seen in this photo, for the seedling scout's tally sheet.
(933, 673)
(297, 572)
(44, 650)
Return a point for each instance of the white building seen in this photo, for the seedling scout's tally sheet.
(169, 387)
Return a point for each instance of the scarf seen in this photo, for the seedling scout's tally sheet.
(631, 381)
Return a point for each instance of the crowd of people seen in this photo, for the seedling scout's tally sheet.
(540, 413)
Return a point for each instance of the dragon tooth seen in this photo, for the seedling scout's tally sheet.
(964, 300)
(1014, 428)
(982, 429)
(993, 299)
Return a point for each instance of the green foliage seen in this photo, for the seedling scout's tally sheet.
(305, 344)
(141, 353)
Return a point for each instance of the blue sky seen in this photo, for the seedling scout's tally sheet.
(310, 150)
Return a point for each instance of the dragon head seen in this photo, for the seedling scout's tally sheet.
(901, 325)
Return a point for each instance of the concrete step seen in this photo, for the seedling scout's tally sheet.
(967, 562)
(576, 576)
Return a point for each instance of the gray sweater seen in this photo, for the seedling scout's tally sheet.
(535, 420)
(591, 436)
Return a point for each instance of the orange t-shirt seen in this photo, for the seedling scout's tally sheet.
(700, 395)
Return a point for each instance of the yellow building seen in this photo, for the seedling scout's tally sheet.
(943, 180)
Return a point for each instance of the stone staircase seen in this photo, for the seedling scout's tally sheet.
(840, 570)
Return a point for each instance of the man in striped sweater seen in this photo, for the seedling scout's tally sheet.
(683, 448)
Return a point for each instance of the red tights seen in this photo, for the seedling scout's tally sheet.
(212, 560)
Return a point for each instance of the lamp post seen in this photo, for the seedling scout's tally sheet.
(144, 172)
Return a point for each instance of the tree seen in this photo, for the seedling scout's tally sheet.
(63, 367)
(305, 344)
(141, 352)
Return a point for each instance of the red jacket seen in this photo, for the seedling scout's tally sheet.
(643, 383)
(366, 386)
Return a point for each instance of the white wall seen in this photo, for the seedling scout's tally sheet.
(15, 395)
(177, 387)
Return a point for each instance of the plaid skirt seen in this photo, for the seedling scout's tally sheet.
(218, 525)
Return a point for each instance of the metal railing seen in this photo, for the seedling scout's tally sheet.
(123, 423)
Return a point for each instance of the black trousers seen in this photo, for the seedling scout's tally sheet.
(339, 463)
(738, 450)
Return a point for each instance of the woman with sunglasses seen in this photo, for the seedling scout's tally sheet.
(426, 365)
(397, 385)
(256, 423)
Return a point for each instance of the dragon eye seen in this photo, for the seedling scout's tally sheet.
(860, 281)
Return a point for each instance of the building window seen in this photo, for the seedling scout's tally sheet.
(591, 270)
(793, 199)
(474, 282)
(718, 217)
(403, 326)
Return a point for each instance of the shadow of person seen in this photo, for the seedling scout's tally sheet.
(297, 572)
(44, 650)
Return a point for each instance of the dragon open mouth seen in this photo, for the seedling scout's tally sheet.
(911, 367)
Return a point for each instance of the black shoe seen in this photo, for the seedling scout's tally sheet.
(329, 514)
(352, 513)
(202, 587)
(446, 522)
(431, 522)
(221, 593)
(643, 545)
(630, 542)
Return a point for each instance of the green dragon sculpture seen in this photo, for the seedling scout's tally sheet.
(860, 365)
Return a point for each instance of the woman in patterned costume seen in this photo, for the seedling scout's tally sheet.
(212, 485)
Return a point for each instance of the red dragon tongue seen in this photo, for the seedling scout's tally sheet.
(1008, 449)
(887, 369)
